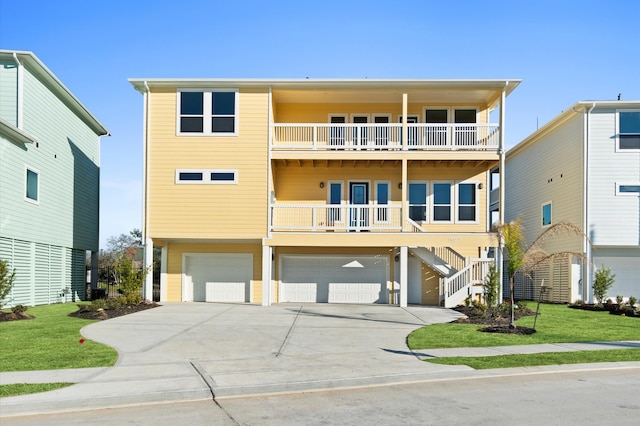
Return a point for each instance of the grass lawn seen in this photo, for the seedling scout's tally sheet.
(50, 341)
(556, 324)
(550, 358)
(25, 388)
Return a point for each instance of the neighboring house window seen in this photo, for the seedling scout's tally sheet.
(546, 214)
(207, 176)
(442, 202)
(632, 189)
(382, 199)
(32, 185)
(467, 202)
(629, 130)
(207, 112)
(418, 201)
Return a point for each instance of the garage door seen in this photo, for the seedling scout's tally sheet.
(334, 279)
(219, 277)
(625, 263)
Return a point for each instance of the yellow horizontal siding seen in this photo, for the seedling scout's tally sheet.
(175, 251)
(208, 210)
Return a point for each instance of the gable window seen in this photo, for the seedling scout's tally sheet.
(632, 189)
(546, 214)
(32, 185)
(207, 176)
(442, 202)
(629, 130)
(207, 112)
(467, 202)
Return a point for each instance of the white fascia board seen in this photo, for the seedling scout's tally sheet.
(13, 133)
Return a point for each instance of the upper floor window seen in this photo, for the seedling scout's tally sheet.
(629, 130)
(632, 189)
(467, 204)
(207, 176)
(207, 112)
(32, 185)
(546, 214)
(442, 202)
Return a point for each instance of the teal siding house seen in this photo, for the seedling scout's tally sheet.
(49, 183)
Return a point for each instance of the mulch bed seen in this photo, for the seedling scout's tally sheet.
(496, 324)
(104, 314)
(10, 316)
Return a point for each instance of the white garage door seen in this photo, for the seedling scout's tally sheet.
(219, 277)
(625, 263)
(334, 279)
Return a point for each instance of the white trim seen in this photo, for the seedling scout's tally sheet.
(458, 205)
(425, 108)
(354, 115)
(207, 113)
(206, 177)
(542, 205)
(452, 201)
(342, 199)
(426, 199)
(468, 108)
(376, 201)
(627, 194)
(617, 123)
(37, 172)
(341, 115)
(386, 115)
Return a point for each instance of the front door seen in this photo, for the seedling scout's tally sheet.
(359, 210)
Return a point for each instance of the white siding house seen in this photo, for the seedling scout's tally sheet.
(582, 167)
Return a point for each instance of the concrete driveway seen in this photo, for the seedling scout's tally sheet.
(189, 351)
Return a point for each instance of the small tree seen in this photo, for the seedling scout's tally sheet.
(130, 278)
(6, 280)
(490, 286)
(602, 283)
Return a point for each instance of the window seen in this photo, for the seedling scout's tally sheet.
(418, 201)
(629, 130)
(334, 214)
(626, 189)
(382, 199)
(207, 176)
(32, 185)
(207, 112)
(442, 202)
(337, 133)
(467, 202)
(546, 214)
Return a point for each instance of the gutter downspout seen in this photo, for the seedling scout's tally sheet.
(20, 92)
(586, 245)
(148, 243)
(501, 190)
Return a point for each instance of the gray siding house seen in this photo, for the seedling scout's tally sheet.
(49, 182)
(582, 167)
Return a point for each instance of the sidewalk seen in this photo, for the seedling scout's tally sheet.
(79, 375)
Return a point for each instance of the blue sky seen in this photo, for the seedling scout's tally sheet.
(564, 51)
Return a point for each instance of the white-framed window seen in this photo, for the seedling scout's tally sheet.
(628, 189)
(418, 201)
(32, 185)
(207, 112)
(467, 199)
(546, 214)
(337, 134)
(381, 129)
(442, 202)
(413, 132)
(382, 197)
(335, 196)
(628, 123)
(207, 176)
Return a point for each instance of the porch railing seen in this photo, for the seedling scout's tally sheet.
(325, 217)
(388, 136)
(459, 286)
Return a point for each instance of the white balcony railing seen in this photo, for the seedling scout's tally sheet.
(324, 217)
(421, 136)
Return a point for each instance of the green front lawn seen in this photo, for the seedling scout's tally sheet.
(556, 324)
(25, 388)
(50, 341)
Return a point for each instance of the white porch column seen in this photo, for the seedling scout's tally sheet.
(147, 287)
(163, 272)
(266, 275)
(404, 275)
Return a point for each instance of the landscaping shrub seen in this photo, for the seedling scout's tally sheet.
(6, 280)
(603, 281)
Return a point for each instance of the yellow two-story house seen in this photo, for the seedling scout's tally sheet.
(330, 190)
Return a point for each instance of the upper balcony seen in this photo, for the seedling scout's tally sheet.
(385, 137)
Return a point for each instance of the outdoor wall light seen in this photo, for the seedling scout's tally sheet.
(400, 185)
(480, 186)
(397, 258)
(321, 184)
